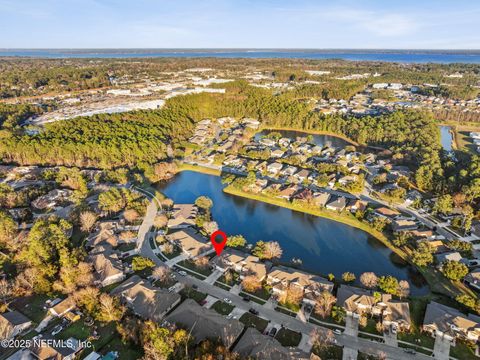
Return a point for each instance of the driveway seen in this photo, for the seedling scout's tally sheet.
(349, 354)
(441, 349)
(390, 338)
(351, 325)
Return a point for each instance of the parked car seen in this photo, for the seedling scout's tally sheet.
(337, 331)
(272, 332)
(227, 300)
(394, 330)
(253, 311)
(194, 287)
(410, 351)
(57, 329)
(183, 273)
(246, 298)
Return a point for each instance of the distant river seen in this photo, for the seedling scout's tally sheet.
(325, 246)
(446, 137)
(401, 56)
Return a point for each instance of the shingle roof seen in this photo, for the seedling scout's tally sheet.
(205, 323)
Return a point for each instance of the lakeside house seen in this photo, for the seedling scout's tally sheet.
(205, 323)
(242, 263)
(473, 279)
(280, 278)
(441, 320)
(145, 300)
(191, 243)
(13, 323)
(400, 225)
(337, 204)
(386, 213)
(182, 216)
(321, 199)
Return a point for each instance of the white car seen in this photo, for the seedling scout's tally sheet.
(227, 300)
(183, 273)
(338, 332)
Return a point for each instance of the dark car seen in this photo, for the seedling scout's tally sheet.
(253, 311)
(272, 332)
(194, 286)
(245, 298)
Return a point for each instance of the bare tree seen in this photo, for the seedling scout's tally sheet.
(362, 321)
(210, 227)
(292, 295)
(369, 280)
(202, 262)
(251, 283)
(110, 309)
(324, 304)
(161, 273)
(5, 294)
(321, 338)
(404, 288)
(272, 250)
(87, 221)
(168, 248)
(160, 221)
(130, 215)
(379, 327)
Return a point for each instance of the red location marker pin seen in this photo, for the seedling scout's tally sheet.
(218, 245)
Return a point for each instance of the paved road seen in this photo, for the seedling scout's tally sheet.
(274, 316)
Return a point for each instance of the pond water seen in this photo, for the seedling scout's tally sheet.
(320, 140)
(446, 137)
(325, 246)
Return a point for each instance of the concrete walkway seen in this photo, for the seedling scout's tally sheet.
(214, 276)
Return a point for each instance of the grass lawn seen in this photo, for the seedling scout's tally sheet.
(329, 352)
(288, 337)
(417, 338)
(222, 286)
(234, 279)
(463, 351)
(176, 252)
(126, 247)
(328, 319)
(251, 320)
(222, 307)
(77, 330)
(285, 311)
(193, 294)
(258, 301)
(191, 265)
(126, 351)
(290, 306)
(31, 307)
(371, 327)
(262, 293)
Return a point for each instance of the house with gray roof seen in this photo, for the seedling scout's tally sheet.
(145, 300)
(13, 323)
(204, 323)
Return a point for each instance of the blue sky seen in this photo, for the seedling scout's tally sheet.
(420, 24)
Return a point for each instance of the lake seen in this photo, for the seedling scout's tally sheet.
(446, 137)
(325, 246)
(400, 56)
(320, 140)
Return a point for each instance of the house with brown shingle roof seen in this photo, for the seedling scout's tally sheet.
(441, 320)
(280, 278)
(145, 300)
(205, 323)
(254, 345)
(108, 268)
(182, 216)
(192, 243)
(244, 264)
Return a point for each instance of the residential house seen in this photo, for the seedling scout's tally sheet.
(473, 279)
(51, 199)
(277, 153)
(145, 300)
(337, 204)
(274, 168)
(302, 175)
(242, 263)
(49, 349)
(280, 278)
(444, 321)
(452, 256)
(190, 242)
(321, 199)
(357, 301)
(13, 323)
(386, 213)
(397, 314)
(404, 225)
(287, 192)
(61, 307)
(182, 216)
(256, 346)
(204, 323)
(108, 268)
(289, 171)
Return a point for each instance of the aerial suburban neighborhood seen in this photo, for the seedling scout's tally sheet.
(163, 201)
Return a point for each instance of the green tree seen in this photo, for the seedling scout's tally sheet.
(348, 277)
(8, 230)
(454, 270)
(422, 256)
(140, 263)
(388, 284)
(204, 202)
(444, 204)
(236, 241)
